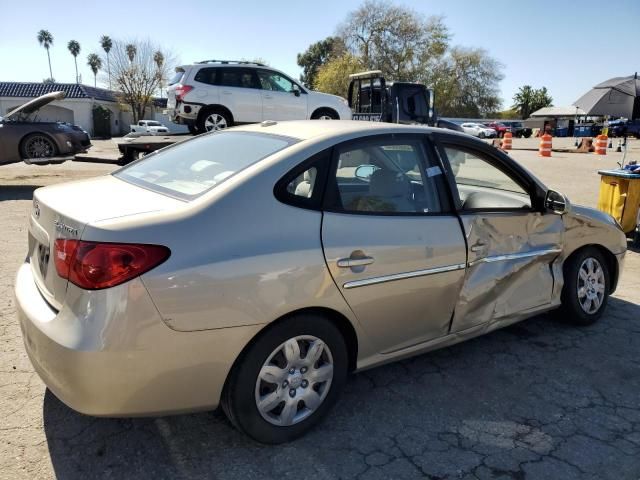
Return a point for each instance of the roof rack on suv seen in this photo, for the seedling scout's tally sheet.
(233, 62)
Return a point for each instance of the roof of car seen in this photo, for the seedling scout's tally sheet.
(308, 129)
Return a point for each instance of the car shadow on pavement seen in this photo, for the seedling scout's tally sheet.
(17, 192)
(539, 399)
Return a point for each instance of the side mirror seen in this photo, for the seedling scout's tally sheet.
(296, 90)
(364, 172)
(556, 202)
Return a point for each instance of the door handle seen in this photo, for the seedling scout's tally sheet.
(268, 96)
(354, 262)
(478, 247)
(226, 92)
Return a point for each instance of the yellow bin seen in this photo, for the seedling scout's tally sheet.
(620, 197)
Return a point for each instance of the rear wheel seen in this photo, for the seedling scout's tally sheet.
(213, 119)
(37, 145)
(324, 114)
(287, 380)
(586, 287)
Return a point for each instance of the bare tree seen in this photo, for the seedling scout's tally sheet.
(138, 76)
(106, 43)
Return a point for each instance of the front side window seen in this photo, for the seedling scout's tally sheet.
(189, 169)
(275, 82)
(481, 185)
(384, 176)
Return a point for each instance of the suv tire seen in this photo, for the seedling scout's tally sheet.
(324, 114)
(212, 118)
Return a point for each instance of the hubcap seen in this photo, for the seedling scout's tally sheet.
(39, 147)
(294, 380)
(591, 285)
(215, 122)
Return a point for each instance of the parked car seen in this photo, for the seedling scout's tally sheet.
(625, 129)
(217, 94)
(24, 137)
(478, 130)
(500, 128)
(255, 267)
(149, 127)
(517, 128)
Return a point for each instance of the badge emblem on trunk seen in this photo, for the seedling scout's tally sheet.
(36, 209)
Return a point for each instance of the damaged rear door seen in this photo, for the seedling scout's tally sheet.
(511, 247)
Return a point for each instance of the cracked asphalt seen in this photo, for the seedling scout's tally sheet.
(538, 400)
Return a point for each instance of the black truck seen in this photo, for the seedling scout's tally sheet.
(372, 98)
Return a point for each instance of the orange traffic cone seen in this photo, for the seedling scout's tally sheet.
(506, 141)
(601, 145)
(545, 145)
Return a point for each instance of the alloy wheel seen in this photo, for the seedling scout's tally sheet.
(294, 380)
(591, 285)
(39, 146)
(215, 121)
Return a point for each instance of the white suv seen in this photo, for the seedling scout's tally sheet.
(216, 94)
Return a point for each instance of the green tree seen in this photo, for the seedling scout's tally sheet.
(333, 76)
(317, 55)
(107, 44)
(465, 83)
(528, 99)
(45, 39)
(74, 49)
(95, 63)
(394, 39)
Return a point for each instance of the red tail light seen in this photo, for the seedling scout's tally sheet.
(181, 91)
(95, 265)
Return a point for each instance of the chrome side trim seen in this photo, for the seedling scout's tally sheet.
(516, 256)
(402, 276)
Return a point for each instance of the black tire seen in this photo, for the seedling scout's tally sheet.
(213, 115)
(37, 145)
(325, 114)
(571, 310)
(482, 135)
(239, 396)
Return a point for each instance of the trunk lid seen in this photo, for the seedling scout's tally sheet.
(62, 211)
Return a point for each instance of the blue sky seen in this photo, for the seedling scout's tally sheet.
(566, 46)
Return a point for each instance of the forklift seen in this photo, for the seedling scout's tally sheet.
(372, 99)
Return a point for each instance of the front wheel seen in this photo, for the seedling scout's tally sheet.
(586, 287)
(287, 380)
(37, 145)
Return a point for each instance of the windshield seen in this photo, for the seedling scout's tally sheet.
(189, 169)
(154, 124)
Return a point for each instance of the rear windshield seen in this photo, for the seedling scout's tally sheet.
(191, 168)
(177, 77)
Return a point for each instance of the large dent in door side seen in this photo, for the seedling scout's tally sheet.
(497, 288)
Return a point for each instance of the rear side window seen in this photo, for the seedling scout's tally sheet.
(206, 75)
(238, 77)
(189, 169)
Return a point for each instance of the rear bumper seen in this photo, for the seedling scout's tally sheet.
(185, 112)
(108, 353)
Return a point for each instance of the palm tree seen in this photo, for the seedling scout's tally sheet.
(131, 51)
(74, 49)
(46, 40)
(95, 63)
(158, 57)
(106, 43)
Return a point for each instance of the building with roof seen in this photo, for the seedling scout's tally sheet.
(563, 121)
(77, 107)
